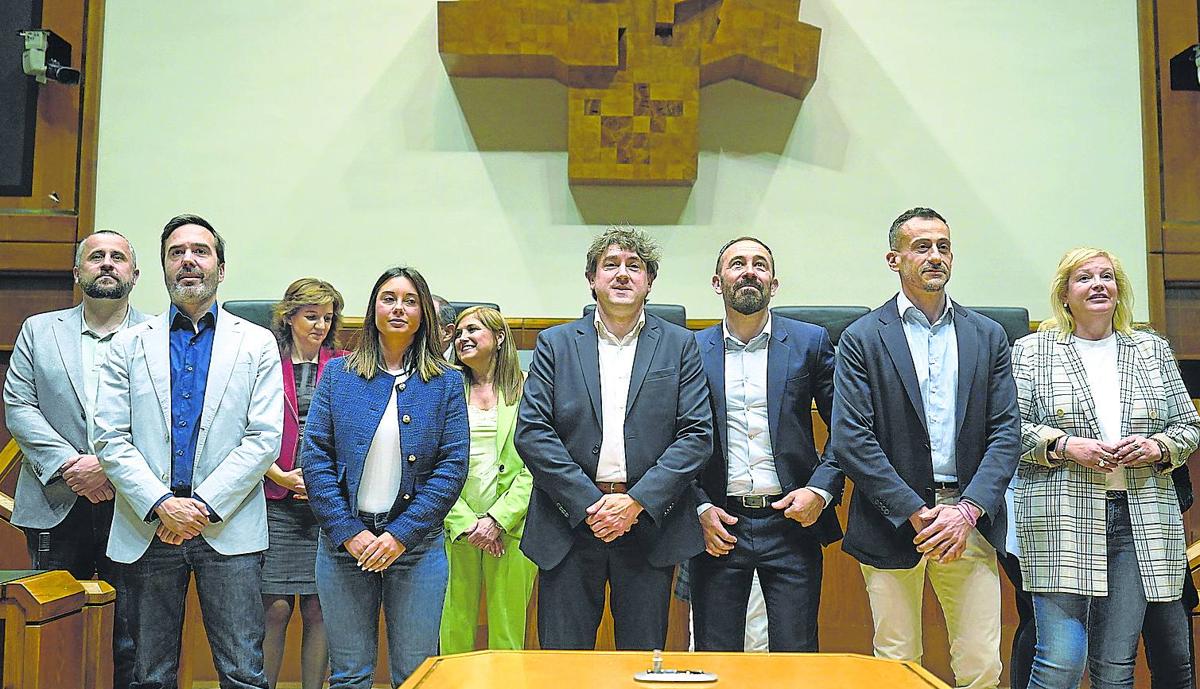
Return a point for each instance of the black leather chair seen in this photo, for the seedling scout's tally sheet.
(460, 306)
(1014, 319)
(257, 311)
(672, 313)
(835, 319)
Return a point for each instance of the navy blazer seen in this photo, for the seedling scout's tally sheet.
(342, 419)
(800, 369)
(668, 437)
(882, 443)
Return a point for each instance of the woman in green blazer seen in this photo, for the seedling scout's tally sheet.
(483, 529)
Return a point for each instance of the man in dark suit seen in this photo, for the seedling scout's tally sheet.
(925, 423)
(614, 424)
(763, 495)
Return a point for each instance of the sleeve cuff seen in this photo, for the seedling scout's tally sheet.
(213, 517)
(702, 508)
(151, 516)
(825, 495)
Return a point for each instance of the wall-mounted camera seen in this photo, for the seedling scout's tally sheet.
(47, 57)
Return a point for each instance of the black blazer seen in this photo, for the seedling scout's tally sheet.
(668, 437)
(799, 370)
(882, 443)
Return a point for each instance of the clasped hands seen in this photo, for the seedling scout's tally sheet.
(942, 531)
(802, 505)
(1130, 451)
(612, 516)
(485, 535)
(374, 553)
(180, 519)
(86, 478)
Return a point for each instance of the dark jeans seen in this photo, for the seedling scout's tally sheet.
(1025, 636)
(229, 587)
(1100, 632)
(571, 596)
(1167, 634)
(77, 544)
(788, 559)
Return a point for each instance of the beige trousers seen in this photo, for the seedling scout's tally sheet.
(968, 590)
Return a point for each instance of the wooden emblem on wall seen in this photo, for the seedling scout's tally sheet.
(633, 69)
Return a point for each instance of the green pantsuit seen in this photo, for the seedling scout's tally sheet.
(498, 485)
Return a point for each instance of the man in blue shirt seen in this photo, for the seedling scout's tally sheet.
(190, 418)
(925, 423)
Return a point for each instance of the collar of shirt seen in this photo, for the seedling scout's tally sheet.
(756, 343)
(608, 337)
(180, 321)
(85, 330)
(909, 311)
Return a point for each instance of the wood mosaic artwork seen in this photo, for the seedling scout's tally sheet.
(633, 69)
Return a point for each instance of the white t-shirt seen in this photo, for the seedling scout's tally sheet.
(382, 469)
(1099, 359)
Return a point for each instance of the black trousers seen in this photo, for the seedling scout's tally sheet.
(1167, 634)
(1025, 638)
(789, 562)
(77, 544)
(571, 596)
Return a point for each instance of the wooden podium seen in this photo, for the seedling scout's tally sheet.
(613, 670)
(55, 631)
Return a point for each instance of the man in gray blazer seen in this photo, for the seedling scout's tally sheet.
(925, 423)
(190, 418)
(64, 503)
(614, 423)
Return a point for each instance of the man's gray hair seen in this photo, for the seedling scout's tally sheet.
(446, 313)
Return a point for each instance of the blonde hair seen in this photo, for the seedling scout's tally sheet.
(424, 355)
(301, 293)
(1068, 264)
(508, 377)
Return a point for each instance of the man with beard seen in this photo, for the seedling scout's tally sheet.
(925, 423)
(190, 418)
(50, 404)
(763, 497)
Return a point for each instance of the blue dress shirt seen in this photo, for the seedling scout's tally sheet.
(934, 349)
(191, 353)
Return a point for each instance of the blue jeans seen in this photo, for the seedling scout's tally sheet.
(411, 591)
(1099, 631)
(230, 602)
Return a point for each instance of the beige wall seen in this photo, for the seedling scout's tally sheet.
(325, 138)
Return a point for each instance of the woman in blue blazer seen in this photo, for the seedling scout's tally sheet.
(385, 457)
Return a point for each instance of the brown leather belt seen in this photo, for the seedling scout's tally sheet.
(612, 487)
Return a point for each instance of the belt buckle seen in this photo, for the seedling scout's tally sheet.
(756, 502)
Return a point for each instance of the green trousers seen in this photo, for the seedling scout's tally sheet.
(508, 581)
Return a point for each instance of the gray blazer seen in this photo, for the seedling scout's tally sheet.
(240, 429)
(43, 406)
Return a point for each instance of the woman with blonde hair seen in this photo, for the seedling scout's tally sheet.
(1105, 419)
(483, 529)
(305, 323)
(385, 457)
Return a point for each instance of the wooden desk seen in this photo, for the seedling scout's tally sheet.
(43, 630)
(612, 669)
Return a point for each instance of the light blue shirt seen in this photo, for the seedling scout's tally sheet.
(934, 349)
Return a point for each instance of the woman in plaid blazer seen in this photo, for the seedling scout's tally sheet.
(1105, 418)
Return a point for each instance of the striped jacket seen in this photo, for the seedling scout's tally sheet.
(1060, 506)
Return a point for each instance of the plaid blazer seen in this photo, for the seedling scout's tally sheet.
(1061, 506)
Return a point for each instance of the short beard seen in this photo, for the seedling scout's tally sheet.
(746, 304)
(95, 290)
(197, 294)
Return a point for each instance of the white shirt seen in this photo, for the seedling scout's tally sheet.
(1099, 359)
(934, 350)
(616, 368)
(93, 350)
(382, 468)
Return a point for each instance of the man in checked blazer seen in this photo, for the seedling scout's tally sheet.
(189, 419)
(64, 502)
(613, 425)
(925, 424)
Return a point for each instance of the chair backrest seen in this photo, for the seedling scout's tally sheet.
(835, 319)
(257, 311)
(672, 313)
(1014, 319)
(460, 306)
